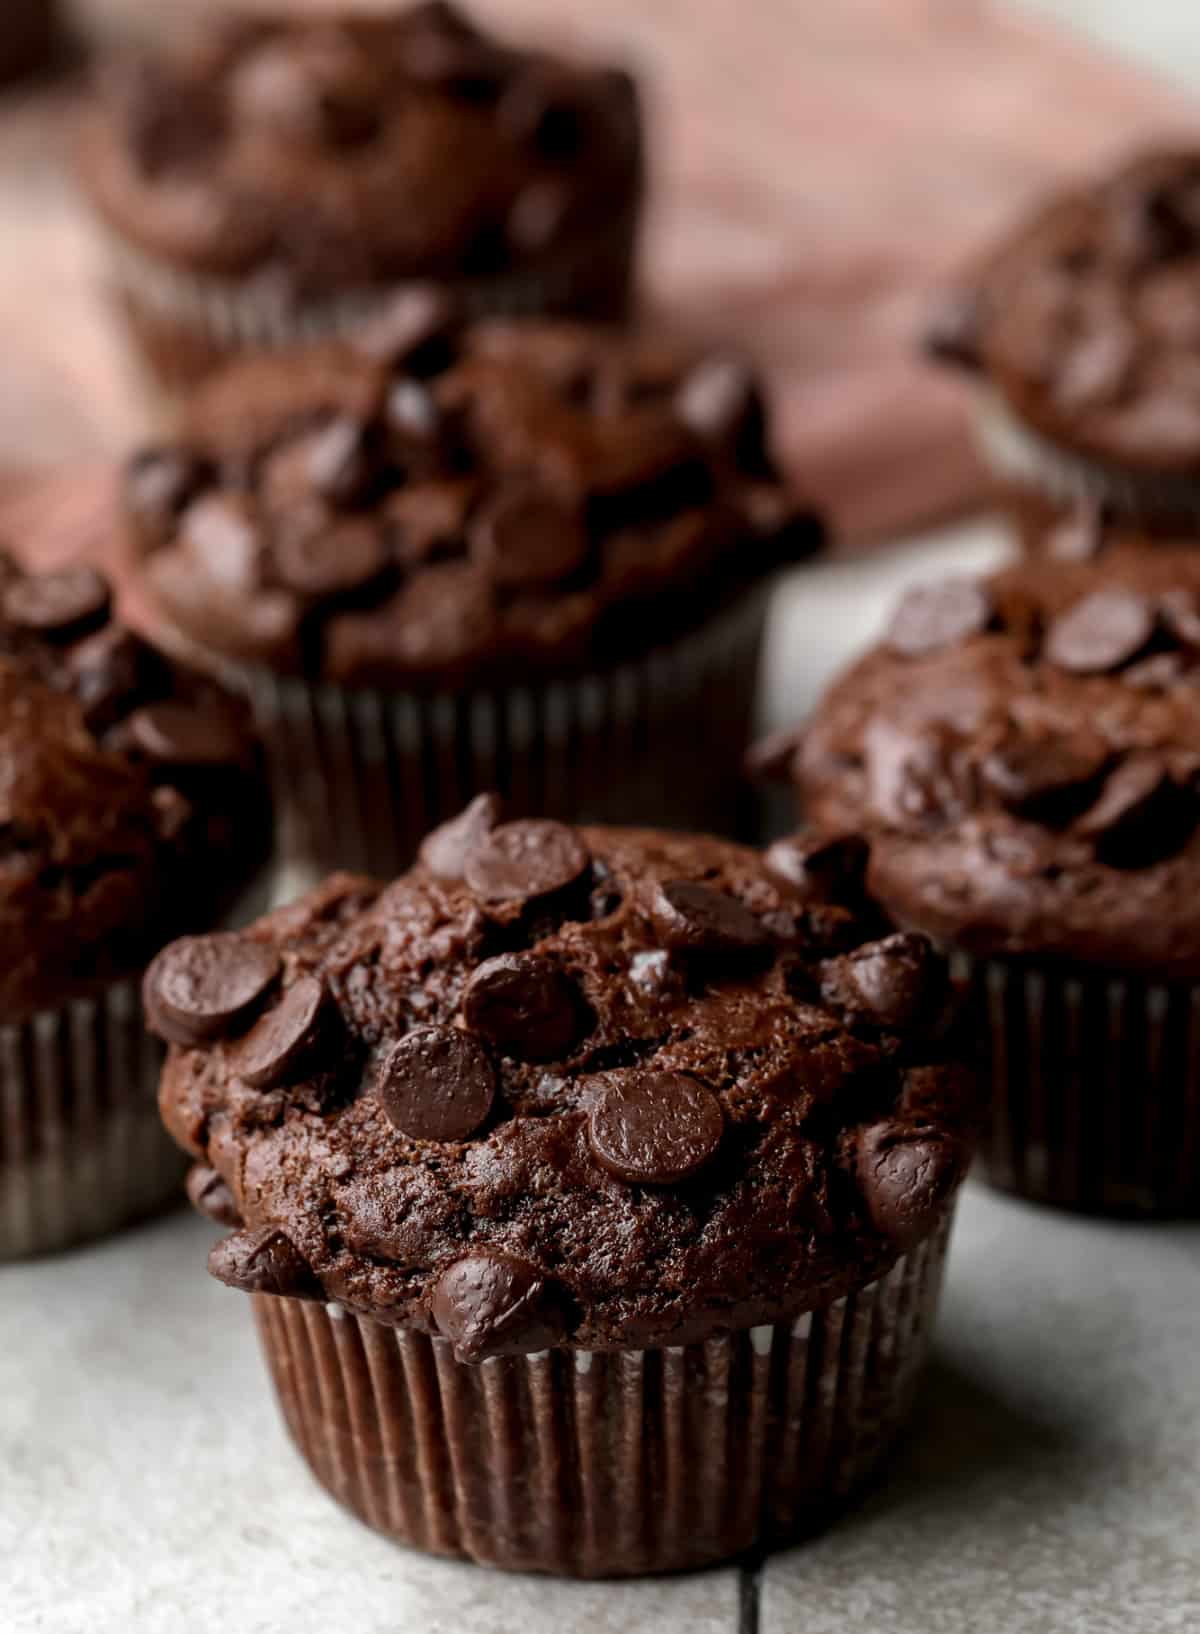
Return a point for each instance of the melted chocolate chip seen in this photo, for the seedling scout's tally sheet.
(1100, 633)
(822, 870)
(1042, 777)
(445, 851)
(525, 861)
(201, 987)
(264, 1262)
(285, 1039)
(656, 1128)
(1141, 815)
(58, 606)
(437, 1084)
(691, 917)
(937, 616)
(109, 671)
(526, 1006)
(209, 1195)
(177, 734)
(890, 984)
(494, 1304)
(528, 538)
(906, 1173)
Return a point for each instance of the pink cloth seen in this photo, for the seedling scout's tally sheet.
(819, 169)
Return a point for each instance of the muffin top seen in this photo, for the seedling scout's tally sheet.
(440, 503)
(320, 154)
(1087, 318)
(592, 1087)
(1022, 755)
(132, 805)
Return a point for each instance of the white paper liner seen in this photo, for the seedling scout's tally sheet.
(361, 776)
(1023, 457)
(82, 1149)
(592, 1463)
(1094, 1086)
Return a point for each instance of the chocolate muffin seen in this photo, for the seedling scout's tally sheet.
(591, 1185)
(132, 807)
(1022, 756)
(447, 557)
(275, 180)
(1082, 330)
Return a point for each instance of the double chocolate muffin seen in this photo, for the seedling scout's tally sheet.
(447, 557)
(591, 1185)
(1022, 756)
(1083, 330)
(273, 180)
(132, 807)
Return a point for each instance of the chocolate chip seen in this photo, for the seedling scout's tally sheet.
(445, 851)
(329, 561)
(110, 670)
(656, 1128)
(222, 533)
(58, 606)
(1039, 776)
(264, 1262)
(528, 538)
(209, 1195)
(1181, 615)
(201, 986)
(1100, 633)
(691, 917)
(179, 734)
(906, 1173)
(436, 1084)
(159, 484)
(891, 983)
(493, 1304)
(822, 870)
(412, 332)
(719, 401)
(284, 1039)
(1156, 673)
(525, 861)
(524, 1005)
(340, 464)
(1142, 814)
(937, 616)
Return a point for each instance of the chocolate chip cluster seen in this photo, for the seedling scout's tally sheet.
(524, 1073)
(364, 111)
(1084, 768)
(445, 502)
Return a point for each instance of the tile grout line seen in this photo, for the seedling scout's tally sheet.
(749, 1596)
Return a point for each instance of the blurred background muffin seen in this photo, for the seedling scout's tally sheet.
(277, 179)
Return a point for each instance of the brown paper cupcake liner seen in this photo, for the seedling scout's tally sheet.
(605, 1464)
(185, 325)
(1094, 1085)
(361, 776)
(1025, 459)
(82, 1150)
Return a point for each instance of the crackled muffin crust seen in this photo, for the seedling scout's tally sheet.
(132, 801)
(324, 154)
(1087, 318)
(591, 1087)
(441, 504)
(1023, 756)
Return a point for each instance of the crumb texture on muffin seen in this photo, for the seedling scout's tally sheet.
(441, 503)
(1023, 756)
(594, 1087)
(324, 154)
(132, 800)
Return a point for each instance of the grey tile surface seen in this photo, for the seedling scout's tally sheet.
(1051, 1483)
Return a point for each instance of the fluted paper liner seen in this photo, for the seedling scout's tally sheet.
(185, 325)
(361, 776)
(594, 1463)
(1094, 1085)
(82, 1150)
